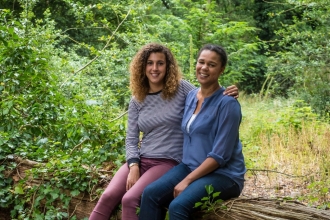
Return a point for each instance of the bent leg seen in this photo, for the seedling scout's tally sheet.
(112, 196)
(151, 170)
(182, 206)
(159, 194)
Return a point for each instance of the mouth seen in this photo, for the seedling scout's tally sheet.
(203, 75)
(154, 75)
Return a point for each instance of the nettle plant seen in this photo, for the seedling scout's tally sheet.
(211, 202)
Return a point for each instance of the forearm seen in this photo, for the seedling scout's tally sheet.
(208, 166)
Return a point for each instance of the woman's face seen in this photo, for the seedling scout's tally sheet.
(208, 67)
(156, 69)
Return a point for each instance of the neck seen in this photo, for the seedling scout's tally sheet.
(209, 90)
(154, 88)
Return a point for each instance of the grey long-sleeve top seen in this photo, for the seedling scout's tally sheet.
(159, 121)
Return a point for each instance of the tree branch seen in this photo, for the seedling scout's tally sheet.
(273, 171)
(107, 44)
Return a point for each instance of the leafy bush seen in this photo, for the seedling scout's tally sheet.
(296, 115)
(50, 124)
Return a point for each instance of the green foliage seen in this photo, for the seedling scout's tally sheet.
(49, 124)
(211, 202)
(319, 192)
(63, 109)
(302, 62)
(296, 115)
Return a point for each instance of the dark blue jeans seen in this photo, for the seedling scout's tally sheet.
(159, 194)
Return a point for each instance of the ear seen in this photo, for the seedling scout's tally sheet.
(222, 70)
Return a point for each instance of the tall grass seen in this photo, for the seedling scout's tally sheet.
(285, 136)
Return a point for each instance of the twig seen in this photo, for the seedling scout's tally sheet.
(119, 116)
(6, 158)
(107, 44)
(78, 145)
(18, 174)
(33, 126)
(34, 195)
(105, 171)
(83, 29)
(77, 205)
(14, 169)
(274, 171)
(227, 211)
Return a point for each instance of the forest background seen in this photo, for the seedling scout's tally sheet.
(64, 88)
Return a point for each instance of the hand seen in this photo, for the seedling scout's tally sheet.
(232, 91)
(133, 177)
(178, 189)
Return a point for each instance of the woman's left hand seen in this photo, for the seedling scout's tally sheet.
(178, 189)
(232, 91)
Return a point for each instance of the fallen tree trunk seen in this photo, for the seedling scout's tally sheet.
(263, 208)
(236, 209)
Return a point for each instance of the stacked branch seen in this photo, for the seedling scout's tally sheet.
(268, 209)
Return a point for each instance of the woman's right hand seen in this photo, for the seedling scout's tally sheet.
(133, 176)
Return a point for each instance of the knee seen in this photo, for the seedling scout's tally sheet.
(148, 193)
(130, 199)
(178, 210)
(150, 190)
(174, 206)
(107, 196)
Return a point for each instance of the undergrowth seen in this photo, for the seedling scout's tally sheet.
(286, 136)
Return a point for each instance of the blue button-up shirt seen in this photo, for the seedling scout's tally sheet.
(214, 133)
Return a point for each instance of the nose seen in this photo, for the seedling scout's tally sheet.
(205, 66)
(155, 66)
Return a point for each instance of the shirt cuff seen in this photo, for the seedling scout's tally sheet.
(133, 160)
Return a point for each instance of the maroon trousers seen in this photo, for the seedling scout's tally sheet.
(115, 193)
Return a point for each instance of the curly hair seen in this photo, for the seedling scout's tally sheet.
(139, 83)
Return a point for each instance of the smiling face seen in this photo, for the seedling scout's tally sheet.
(156, 71)
(208, 67)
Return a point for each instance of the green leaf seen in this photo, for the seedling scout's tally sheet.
(75, 192)
(19, 189)
(216, 194)
(54, 195)
(205, 198)
(209, 189)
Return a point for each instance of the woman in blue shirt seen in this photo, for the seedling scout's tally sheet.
(212, 151)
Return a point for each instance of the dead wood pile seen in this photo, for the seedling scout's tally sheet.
(239, 209)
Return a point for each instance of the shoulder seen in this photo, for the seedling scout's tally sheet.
(186, 85)
(230, 103)
(225, 99)
(134, 103)
(192, 93)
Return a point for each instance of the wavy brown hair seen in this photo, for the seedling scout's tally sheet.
(139, 83)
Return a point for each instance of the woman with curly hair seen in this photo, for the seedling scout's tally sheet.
(155, 110)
